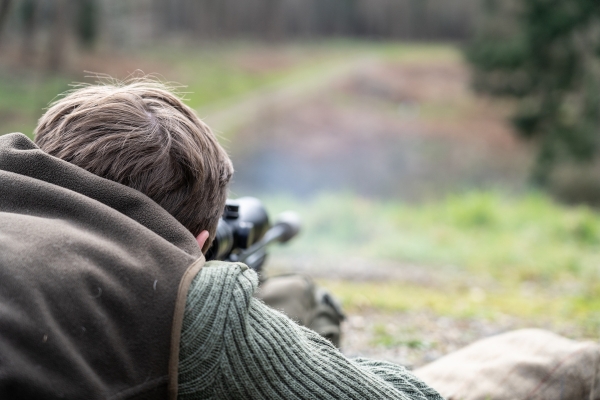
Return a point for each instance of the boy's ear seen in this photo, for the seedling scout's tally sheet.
(201, 239)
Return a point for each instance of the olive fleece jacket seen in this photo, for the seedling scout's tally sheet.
(92, 283)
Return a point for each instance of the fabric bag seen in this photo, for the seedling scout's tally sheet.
(523, 364)
(299, 298)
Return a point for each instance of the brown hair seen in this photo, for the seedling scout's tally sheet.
(140, 134)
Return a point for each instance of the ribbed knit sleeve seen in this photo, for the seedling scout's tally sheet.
(235, 347)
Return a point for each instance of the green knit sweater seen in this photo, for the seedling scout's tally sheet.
(235, 347)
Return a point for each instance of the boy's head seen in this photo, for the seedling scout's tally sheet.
(140, 134)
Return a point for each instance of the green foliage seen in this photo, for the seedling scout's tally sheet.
(457, 300)
(545, 53)
(22, 101)
(491, 255)
(385, 337)
(486, 233)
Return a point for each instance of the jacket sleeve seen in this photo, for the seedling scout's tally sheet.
(233, 346)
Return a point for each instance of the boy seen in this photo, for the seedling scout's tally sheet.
(104, 289)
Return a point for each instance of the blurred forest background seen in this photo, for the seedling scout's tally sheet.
(442, 153)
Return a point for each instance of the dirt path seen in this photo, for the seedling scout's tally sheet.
(230, 116)
(384, 129)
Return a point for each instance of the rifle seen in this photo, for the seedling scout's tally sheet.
(243, 235)
(244, 232)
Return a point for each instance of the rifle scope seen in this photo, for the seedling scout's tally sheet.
(244, 232)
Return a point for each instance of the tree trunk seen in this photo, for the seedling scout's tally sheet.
(4, 11)
(58, 36)
(273, 20)
(28, 14)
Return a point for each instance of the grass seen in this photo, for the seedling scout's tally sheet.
(23, 100)
(539, 260)
(535, 306)
(529, 238)
(221, 73)
(213, 75)
(383, 337)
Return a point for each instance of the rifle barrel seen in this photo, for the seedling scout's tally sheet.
(286, 227)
